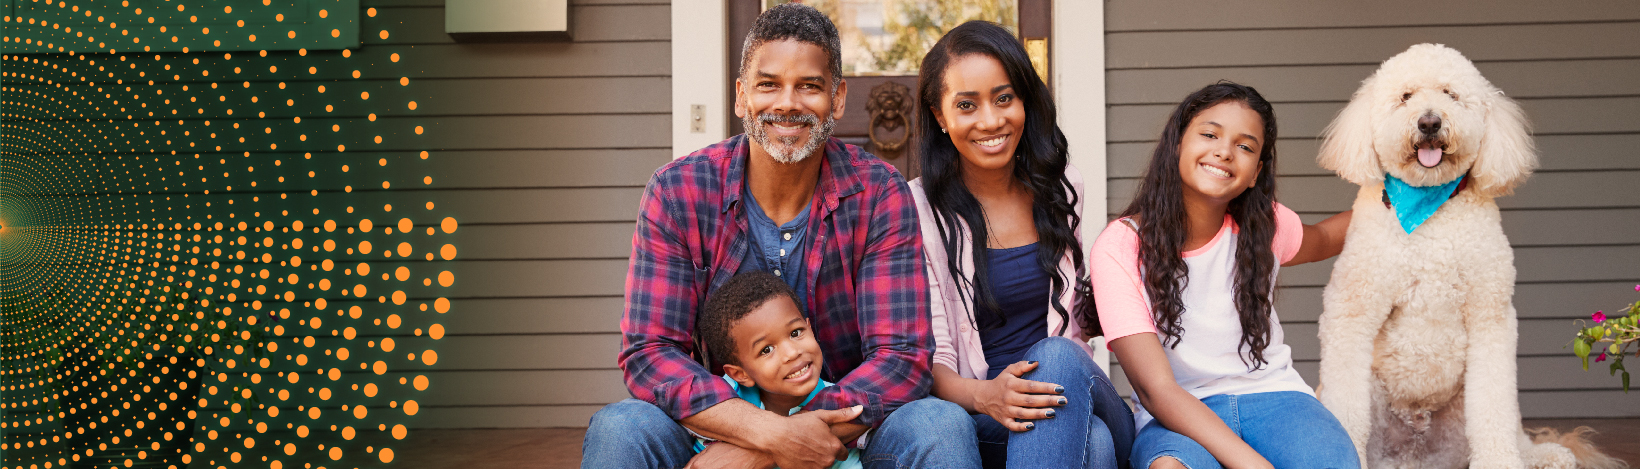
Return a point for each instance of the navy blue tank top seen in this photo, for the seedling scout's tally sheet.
(1021, 288)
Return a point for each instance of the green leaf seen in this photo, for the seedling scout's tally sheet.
(1580, 347)
(1617, 365)
(1625, 381)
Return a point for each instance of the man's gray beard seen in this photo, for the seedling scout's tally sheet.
(818, 133)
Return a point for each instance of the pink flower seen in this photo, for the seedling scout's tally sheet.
(1637, 287)
(1602, 358)
(1599, 316)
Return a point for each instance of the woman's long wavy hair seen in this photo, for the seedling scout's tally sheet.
(1162, 225)
(1039, 166)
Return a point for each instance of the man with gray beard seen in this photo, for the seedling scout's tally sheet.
(836, 224)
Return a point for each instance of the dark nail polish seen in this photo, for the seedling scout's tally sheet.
(1051, 413)
(1061, 400)
(1032, 363)
(1058, 389)
(1030, 426)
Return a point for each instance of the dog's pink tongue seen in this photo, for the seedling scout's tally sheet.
(1429, 156)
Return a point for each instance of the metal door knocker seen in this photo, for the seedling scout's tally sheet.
(888, 110)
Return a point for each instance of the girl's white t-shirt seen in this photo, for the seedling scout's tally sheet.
(1208, 359)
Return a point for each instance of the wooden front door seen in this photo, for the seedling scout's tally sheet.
(882, 84)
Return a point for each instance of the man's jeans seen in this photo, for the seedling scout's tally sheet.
(927, 433)
(1094, 429)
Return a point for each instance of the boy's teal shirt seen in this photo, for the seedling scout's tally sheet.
(754, 396)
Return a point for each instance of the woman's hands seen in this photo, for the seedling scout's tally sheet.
(1012, 400)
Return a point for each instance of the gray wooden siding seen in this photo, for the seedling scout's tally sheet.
(1574, 225)
(541, 150)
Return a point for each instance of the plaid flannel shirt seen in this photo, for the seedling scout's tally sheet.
(869, 292)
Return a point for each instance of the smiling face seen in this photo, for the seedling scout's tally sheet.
(1428, 117)
(775, 350)
(981, 112)
(1427, 124)
(786, 99)
(1219, 152)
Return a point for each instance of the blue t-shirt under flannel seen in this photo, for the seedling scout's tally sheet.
(777, 249)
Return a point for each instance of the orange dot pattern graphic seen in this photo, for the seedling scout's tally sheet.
(218, 238)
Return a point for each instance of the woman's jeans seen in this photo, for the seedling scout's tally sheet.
(1290, 429)
(1094, 429)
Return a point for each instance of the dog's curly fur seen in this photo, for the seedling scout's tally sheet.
(1418, 334)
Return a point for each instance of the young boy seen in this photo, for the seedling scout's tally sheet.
(753, 327)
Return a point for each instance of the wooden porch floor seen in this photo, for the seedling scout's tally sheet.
(561, 447)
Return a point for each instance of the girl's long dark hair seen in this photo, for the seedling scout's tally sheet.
(1162, 224)
(1040, 167)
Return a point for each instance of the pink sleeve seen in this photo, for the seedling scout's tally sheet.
(1118, 291)
(1289, 234)
(939, 307)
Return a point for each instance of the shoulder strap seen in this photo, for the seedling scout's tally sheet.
(1130, 224)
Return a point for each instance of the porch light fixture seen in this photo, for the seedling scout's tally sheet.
(507, 20)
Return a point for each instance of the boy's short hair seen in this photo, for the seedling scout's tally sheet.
(723, 308)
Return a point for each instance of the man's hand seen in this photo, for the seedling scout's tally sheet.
(726, 455)
(846, 432)
(805, 440)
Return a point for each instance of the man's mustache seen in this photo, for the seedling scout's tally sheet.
(769, 118)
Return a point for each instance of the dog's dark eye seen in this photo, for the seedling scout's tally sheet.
(1405, 97)
(1451, 94)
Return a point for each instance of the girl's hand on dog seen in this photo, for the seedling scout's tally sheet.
(1012, 400)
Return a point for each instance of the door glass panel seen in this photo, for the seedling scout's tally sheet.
(890, 37)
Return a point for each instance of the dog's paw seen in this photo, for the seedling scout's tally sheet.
(1496, 460)
(1548, 455)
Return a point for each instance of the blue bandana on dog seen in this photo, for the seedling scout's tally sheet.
(1415, 204)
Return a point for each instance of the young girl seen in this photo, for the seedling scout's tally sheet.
(999, 209)
(1183, 287)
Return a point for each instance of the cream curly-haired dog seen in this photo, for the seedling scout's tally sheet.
(1418, 335)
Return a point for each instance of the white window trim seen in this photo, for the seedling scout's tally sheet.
(1079, 90)
(699, 28)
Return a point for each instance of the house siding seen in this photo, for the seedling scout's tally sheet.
(1573, 224)
(544, 148)
(541, 150)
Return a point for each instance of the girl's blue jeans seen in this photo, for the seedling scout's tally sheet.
(1290, 429)
(1094, 429)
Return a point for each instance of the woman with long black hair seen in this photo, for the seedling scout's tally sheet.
(1000, 209)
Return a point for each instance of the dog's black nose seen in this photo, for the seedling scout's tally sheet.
(1429, 124)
